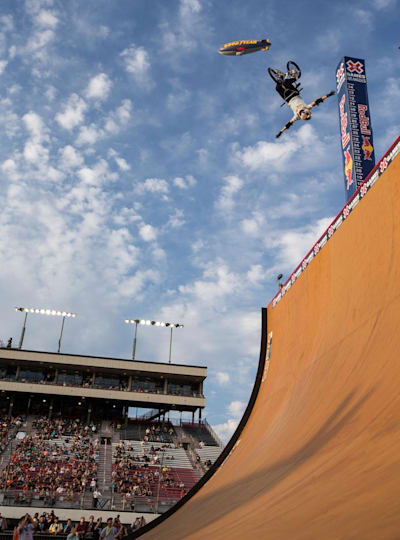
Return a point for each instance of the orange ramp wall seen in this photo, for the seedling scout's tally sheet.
(319, 457)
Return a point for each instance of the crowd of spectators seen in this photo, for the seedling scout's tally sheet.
(158, 433)
(143, 475)
(49, 523)
(54, 428)
(46, 469)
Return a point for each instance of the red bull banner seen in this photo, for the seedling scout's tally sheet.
(356, 138)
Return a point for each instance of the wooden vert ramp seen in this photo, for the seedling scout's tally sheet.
(319, 457)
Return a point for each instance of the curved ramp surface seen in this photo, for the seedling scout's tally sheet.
(320, 454)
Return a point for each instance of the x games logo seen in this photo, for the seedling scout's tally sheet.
(354, 66)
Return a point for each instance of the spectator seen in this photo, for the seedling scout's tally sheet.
(55, 527)
(90, 527)
(96, 495)
(25, 528)
(97, 529)
(42, 524)
(136, 524)
(9, 343)
(35, 520)
(73, 535)
(81, 527)
(3, 523)
(109, 532)
(68, 527)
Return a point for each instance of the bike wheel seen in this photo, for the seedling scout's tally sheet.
(292, 65)
(275, 74)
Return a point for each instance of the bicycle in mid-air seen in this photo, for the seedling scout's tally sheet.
(289, 89)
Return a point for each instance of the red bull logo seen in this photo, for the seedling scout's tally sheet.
(363, 119)
(367, 148)
(343, 122)
(348, 168)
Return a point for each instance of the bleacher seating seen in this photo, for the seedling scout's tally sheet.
(200, 433)
(47, 464)
(146, 472)
(168, 455)
(154, 431)
(208, 453)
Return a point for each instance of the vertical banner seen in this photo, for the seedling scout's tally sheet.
(355, 123)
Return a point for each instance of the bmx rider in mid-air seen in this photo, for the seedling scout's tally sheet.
(289, 90)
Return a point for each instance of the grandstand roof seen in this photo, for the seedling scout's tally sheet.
(165, 394)
(103, 362)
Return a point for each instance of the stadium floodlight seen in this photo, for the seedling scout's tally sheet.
(152, 323)
(172, 326)
(42, 311)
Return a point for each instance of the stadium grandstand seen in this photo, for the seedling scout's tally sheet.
(69, 442)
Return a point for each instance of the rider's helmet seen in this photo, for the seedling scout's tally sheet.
(305, 114)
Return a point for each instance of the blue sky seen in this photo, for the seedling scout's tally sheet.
(140, 176)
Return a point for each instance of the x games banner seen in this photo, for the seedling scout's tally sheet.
(355, 123)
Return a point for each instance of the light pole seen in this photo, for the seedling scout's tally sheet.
(172, 326)
(42, 311)
(152, 323)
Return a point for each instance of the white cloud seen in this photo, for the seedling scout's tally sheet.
(99, 87)
(133, 285)
(253, 225)
(383, 4)
(226, 430)
(265, 154)
(293, 245)
(51, 93)
(137, 63)
(122, 163)
(148, 232)
(256, 274)
(236, 408)
(35, 126)
(10, 168)
(154, 185)
(89, 135)
(97, 175)
(176, 220)
(46, 18)
(232, 184)
(223, 378)
(184, 183)
(179, 36)
(73, 114)
(38, 42)
(302, 148)
(118, 118)
(7, 23)
(70, 158)
(34, 151)
(3, 65)
(218, 281)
